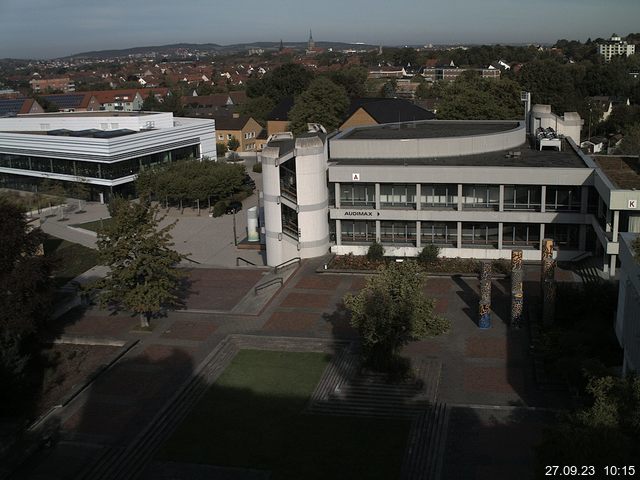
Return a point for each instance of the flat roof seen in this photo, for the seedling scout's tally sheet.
(101, 113)
(528, 157)
(623, 171)
(429, 129)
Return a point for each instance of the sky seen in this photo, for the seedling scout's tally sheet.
(54, 28)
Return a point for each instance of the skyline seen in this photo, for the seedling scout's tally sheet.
(38, 29)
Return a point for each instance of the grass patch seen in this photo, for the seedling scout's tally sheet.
(70, 259)
(95, 225)
(252, 418)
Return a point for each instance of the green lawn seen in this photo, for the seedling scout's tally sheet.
(95, 225)
(252, 418)
(70, 259)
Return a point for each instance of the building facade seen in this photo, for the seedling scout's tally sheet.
(615, 46)
(101, 149)
(475, 189)
(628, 314)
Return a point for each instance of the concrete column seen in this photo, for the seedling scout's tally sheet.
(612, 265)
(418, 194)
(459, 235)
(608, 220)
(501, 199)
(378, 230)
(584, 200)
(418, 242)
(616, 224)
(337, 194)
(582, 238)
(541, 235)
(338, 232)
(378, 203)
(500, 226)
(459, 197)
(543, 198)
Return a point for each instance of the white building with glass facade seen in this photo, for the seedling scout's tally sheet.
(105, 150)
(476, 189)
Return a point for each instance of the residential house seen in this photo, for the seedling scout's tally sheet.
(63, 84)
(615, 46)
(10, 107)
(244, 129)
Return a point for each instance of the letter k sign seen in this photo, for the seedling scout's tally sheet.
(633, 204)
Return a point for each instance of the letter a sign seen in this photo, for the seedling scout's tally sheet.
(355, 177)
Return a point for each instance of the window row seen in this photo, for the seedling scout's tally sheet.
(445, 234)
(108, 171)
(516, 197)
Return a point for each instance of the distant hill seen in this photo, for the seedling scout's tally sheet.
(211, 47)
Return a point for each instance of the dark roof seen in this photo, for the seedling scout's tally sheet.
(11, 106)
(285, 145)
(91, 133)
(529, 157)
(230, 123)
(428, 129)
(389, 110)
(281, 110)
(66, 100)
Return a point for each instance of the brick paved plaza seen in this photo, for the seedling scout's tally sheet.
(484, 373)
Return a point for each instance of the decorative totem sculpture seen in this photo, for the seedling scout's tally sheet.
(485, 296)
(548, 282)
(517, 293)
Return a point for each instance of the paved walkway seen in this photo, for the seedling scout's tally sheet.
(485, 373)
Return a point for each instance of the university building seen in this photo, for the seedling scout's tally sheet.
(105, 150)
(476, 189)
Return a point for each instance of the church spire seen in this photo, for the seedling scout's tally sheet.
(311, 45)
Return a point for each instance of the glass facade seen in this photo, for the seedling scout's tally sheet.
(357, 231)
(290, 222)
(522, 197)
(288, 187)
(481, 196)
(521, 235)
(393, 233)
(438, 196)
(358, 195)
(563, 235)
(563, 199)
(102, 170)
(444, 234)
(483, 235)
(397, 195)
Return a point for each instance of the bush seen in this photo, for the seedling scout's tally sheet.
(429, 254)
(219, 208)
(257, 167)
(376, 252)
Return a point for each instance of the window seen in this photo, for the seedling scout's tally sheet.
(439, 233)
(438, 195)
(288, 187)
(522, 197)
(358, 231)
(521, 235)
(290, 222)
(392, 232)
(357, 195)
(563, 235)
(564, 199)
(220, 137)
(397, 195)
(481, 196)
(229, 136)
(480, 235)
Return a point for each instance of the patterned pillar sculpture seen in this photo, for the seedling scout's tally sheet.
(548, 282)
(485, 296)
(517, 292)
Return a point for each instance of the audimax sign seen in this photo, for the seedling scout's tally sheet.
(361, 213)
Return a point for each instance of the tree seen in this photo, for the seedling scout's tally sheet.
(353, 79)
(630, 144)
(258, 108)
(323, 102)
(233, 144)
(391, 311)
(26, 295)
(142, 275)
(375, 252)
(285, 81)
(606, 432)
(470, 97)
